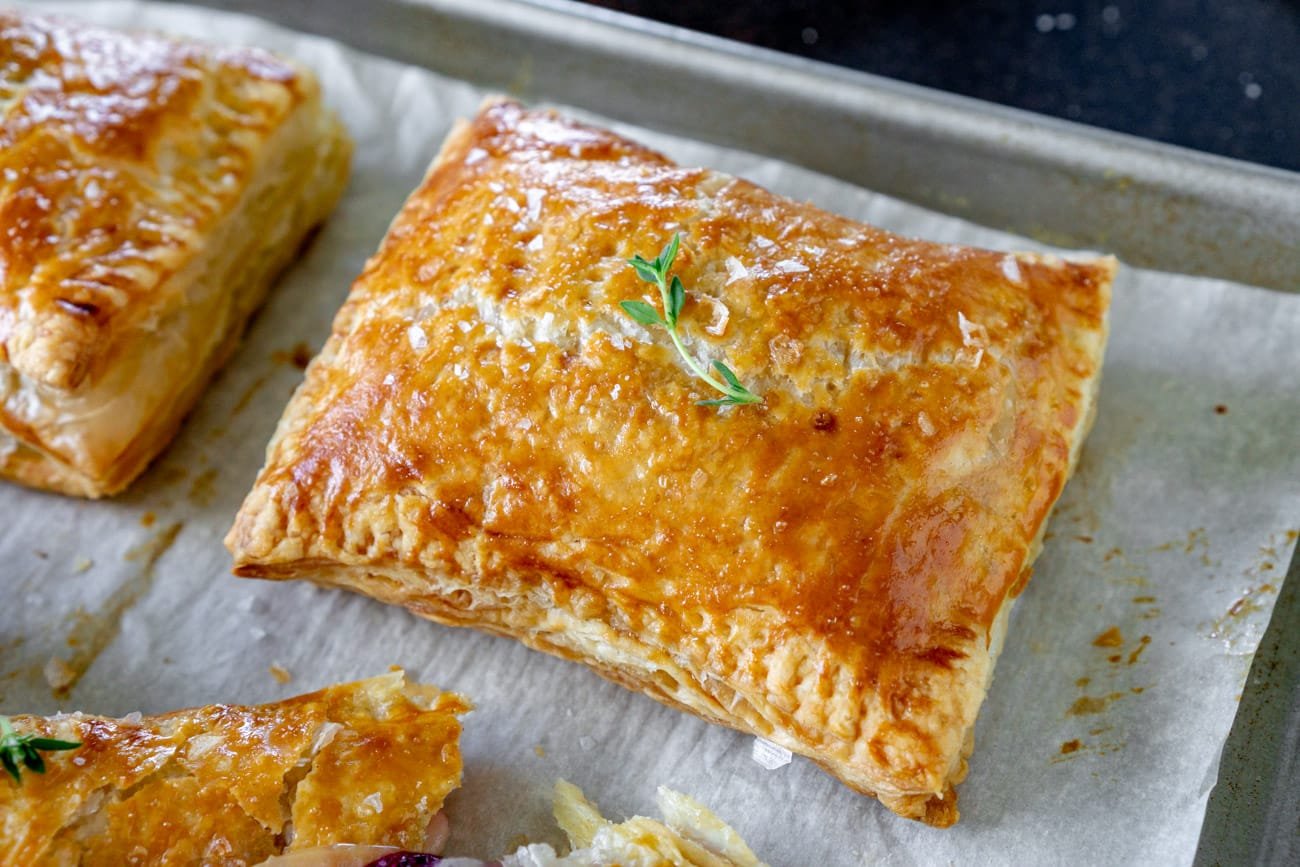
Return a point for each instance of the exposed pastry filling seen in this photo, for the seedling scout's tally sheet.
(688, 835)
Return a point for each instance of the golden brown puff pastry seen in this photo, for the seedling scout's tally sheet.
(150, 190)
(488, 440)
(363, 763)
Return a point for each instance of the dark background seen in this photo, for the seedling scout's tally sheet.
(1222, 77)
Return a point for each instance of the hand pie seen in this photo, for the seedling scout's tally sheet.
(150, 191)
(362, 763)
(489, 441)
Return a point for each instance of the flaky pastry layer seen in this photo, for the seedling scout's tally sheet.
(360, 763)
(151, 189)
(487, 440)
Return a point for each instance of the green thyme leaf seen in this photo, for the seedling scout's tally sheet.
(17, 751)
(32, 759)
(673, 295)
(669, 253)
(48, 744)
(647, 271)
(727, 374)
(676, 299)
(641, 312)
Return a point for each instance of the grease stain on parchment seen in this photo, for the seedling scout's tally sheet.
(92, 632)
(1110, 638)
(1090, 705)
(1150, 611)
(7, 649)
(253, 388)
(1197, 542)
(203, 489)
(299, 356)
(1086, 705)
(1239, 627)
(1137, 651)
(1236, 621)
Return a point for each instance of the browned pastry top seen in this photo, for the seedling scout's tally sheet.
(488, 439)
(846, 501)
(118, 152)
(362, 763)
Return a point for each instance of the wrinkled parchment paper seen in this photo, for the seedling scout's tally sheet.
(1175, 532)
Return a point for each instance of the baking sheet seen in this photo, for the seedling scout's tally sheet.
(1176, 528)
(999, 166)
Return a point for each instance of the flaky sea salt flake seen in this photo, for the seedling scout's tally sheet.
(771, 756)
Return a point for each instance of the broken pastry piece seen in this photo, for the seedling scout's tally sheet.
(151, 189)
(489, 440)
(689, 835)
(365, 763)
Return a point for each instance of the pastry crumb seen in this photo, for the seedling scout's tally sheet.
(771, 756)
(280, 673)
(82, 564)
(540, 751)
(58, 674)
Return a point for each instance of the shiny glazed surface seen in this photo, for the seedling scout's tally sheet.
(230, 784)
(488, 439)
(832, 502)
(117, 152)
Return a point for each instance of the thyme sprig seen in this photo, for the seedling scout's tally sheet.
(19, 751)
(673, 295)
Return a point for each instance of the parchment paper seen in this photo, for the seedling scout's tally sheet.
(1176, 530)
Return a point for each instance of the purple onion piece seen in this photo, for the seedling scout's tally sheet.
(406, 859)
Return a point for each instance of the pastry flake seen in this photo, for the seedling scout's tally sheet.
(689, 834)
(365, 763)
(488, 440)
(150, 189)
